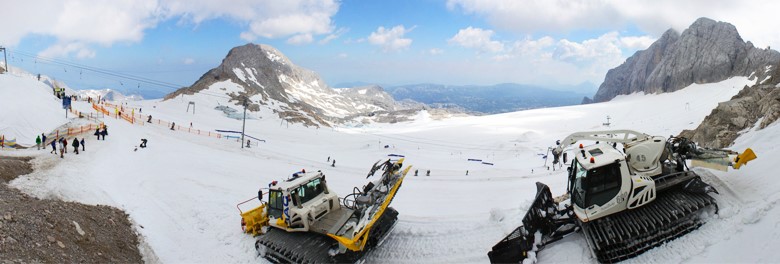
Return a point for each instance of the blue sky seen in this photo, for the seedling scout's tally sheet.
(458, 42)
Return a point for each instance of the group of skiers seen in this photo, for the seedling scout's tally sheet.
(63, 143)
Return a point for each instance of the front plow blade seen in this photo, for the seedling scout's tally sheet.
(539, 218)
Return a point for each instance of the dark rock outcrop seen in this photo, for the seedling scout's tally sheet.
(708, 51)
(754, 107)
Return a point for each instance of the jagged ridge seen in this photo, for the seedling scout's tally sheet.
(297, 94)
(708, 51)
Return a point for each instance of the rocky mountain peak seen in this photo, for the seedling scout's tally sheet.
(269, 79)
(707, 51)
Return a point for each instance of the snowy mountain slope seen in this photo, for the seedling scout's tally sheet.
(28, 108)
(183, 188)
(295, 93)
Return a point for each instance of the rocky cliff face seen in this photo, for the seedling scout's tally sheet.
(755, 107)
(269, 79)
(708, 51)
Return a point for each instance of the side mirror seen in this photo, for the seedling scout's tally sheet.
(565, 159)
(260, 195)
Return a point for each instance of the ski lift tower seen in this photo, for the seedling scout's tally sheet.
(193, 107)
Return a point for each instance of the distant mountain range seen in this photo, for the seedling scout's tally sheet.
(492, 99)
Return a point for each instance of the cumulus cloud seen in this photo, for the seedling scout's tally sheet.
(105, 22)
(653, 17)
(477, 38)
(435, 51)
(65, 49)
(637, 42)
(188, 61)
(76, 24)
(585, 60)
(300, 39)
(605, 46)
(391, 39)
(266, 18)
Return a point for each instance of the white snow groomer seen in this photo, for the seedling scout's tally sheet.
(303, 221)
(624, 202)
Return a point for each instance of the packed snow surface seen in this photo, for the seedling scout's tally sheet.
(182, 190)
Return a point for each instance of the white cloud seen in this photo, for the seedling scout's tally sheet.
(110, 21)
(603, 47)
(477, 38)
(266, 18)
(342, 55)
(638, 43)
(76, 24)
(65, 49)
(300, 39)
(535, 15)
(333, 36)
(391, 39)
(435, 51)
(188, 61)
(530, 46)
(653, 17)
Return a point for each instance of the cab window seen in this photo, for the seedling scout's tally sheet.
(603, 184)
(275, 203)
(309, 190)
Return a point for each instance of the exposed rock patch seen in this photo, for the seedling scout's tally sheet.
(757, 107)
(50, 231)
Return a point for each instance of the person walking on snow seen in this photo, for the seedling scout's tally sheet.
(76, 145)
(97, 133)
(54, 147)
(38, 142)
(43, 140)
(173, 124)
(104, 132)
(64, 146)
(82, 144)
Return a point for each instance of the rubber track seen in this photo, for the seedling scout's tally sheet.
(632, 232)
(311, 247)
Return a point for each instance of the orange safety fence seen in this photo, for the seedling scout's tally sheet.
(52, 136)
(141, 119)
